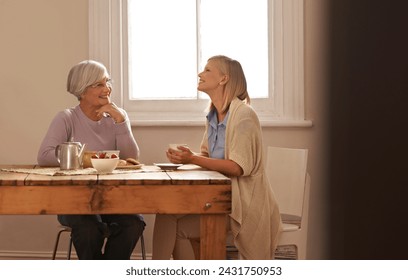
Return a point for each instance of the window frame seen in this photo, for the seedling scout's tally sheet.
(285, 105)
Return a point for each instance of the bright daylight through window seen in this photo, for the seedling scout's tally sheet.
(170, 42)
(154, 50)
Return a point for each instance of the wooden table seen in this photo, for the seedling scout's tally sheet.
(191, 191)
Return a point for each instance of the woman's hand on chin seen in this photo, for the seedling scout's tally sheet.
(113, 111)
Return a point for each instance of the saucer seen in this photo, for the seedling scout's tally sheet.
(167, 166)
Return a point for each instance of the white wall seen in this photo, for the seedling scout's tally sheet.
(41, 40)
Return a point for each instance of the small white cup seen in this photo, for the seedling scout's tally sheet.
(174, 146)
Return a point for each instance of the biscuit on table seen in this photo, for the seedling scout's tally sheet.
(132, 161)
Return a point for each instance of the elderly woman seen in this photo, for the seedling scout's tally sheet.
(232, 144)
(100, 124)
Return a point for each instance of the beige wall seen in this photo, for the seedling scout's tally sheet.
(41, 40)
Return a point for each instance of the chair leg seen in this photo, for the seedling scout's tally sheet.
(142, 245)
(54, 253)
(69, 248)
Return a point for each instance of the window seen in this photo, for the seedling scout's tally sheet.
(280, 102)
(177, 44)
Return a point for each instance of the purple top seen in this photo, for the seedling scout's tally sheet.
(73, 125)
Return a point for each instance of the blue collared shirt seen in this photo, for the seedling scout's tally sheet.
(216, 135)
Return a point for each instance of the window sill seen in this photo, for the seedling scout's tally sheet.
(192, 122)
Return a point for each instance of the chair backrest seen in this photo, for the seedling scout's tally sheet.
(286, 171)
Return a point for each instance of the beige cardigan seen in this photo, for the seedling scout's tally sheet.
(255, 218)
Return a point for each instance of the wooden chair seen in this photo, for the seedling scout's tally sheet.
(66, 229)
(286, 171)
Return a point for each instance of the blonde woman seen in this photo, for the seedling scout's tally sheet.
(232, 145)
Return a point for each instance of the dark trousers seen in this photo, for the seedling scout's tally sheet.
(89, 232)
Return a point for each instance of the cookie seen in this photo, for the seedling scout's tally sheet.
(132, 161)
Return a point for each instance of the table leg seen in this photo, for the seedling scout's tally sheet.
(213, 237)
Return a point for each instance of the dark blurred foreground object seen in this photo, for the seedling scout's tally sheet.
(368, 88)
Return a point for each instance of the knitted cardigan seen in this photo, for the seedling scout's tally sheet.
(255, 218)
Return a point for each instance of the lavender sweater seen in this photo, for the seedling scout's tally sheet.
(73, 125)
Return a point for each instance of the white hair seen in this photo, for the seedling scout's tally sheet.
(83, 75)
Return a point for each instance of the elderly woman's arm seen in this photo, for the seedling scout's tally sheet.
(125, 141)
(57, 133)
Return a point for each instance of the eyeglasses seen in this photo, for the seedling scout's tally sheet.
(107, 83)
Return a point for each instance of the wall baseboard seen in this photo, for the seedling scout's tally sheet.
(41, 255)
